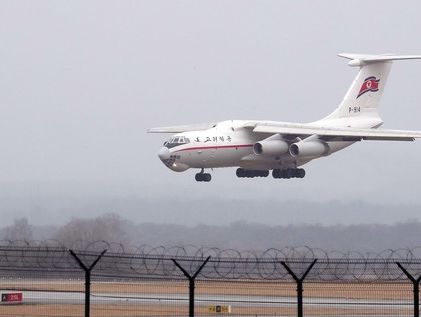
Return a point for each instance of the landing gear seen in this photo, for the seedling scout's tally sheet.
(289, 173)
(241, 172)
(203, 177)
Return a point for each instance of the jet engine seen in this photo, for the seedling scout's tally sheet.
(272, 146)
(308, 148)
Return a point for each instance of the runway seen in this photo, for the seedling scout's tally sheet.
(38, 297)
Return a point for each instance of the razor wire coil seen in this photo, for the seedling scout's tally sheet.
(50, 257)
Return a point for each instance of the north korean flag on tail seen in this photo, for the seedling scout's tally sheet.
(369, 84)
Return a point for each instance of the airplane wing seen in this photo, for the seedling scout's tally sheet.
(334, 133)
(182, 128)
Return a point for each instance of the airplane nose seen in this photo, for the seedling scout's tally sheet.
(164, 153)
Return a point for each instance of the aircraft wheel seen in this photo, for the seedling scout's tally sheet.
(198, 177)
(289, 173)
(207, 177)
(301, 172)
(283, 174)
(276, 173)
(249, 173)
(240, 172)
(264, 174)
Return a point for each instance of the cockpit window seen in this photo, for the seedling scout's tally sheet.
(176, 141)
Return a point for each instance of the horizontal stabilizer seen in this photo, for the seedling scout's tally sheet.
(363, 59)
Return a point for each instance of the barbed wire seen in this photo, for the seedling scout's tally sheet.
(52, 258)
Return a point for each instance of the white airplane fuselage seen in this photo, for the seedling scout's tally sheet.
(228, 145)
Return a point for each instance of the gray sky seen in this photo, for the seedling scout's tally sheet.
(81, 81)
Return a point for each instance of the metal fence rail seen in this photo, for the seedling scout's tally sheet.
(108, 279)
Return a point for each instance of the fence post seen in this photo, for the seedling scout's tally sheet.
(299, 281)
(192, 279)
(87, 270)
(416, 289)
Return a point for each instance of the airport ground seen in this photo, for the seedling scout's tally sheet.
(170, 298)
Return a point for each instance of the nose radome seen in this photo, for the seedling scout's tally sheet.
(164, 153)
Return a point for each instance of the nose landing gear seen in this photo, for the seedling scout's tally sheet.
(203, 177)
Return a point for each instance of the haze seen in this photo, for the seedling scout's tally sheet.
(81, 81)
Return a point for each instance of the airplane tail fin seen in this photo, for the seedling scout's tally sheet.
(362, 98)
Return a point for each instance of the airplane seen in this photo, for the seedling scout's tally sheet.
(257, 147)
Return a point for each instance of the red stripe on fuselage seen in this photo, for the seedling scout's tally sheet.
(214, 147)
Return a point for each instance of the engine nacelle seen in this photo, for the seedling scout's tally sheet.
(271, 147)
(308, 148)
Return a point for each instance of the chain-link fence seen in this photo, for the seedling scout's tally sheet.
(105, 279)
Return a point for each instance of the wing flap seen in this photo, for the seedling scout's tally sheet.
(345, 134)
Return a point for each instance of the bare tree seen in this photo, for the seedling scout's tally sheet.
(109, 227)
(20, 230)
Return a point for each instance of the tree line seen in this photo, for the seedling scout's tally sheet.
(237, 235)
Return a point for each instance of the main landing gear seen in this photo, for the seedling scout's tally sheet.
(241, 172)
(289, 173)
(203, 177)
